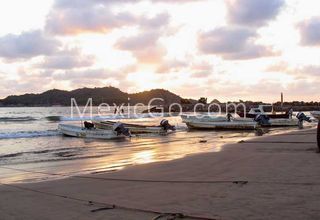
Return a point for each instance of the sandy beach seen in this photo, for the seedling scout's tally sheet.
(271, 177)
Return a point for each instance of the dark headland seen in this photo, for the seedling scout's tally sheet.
(112, 95)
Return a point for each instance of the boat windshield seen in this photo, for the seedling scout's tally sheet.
(267, 108)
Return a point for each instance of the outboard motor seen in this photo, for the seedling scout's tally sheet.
(88, 125)
(302, 117)
(120, 129)
(166, 126)
(229, 116)
(262, 119)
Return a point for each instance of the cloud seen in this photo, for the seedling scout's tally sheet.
(97, 16)
(177, 1)
(171, 66)
(144, 46)
(67, 59)
(27, 45)
(155, 22)
(299, 72)
(93, 73)
(310, 32)
(201, 70)
(87, 74)
(232, 43)
(86, 3)
(69, 21)
(253, 12)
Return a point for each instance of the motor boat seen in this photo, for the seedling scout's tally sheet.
(218, 122)
(89, 131)
(316, 114)
(265, 110)
(162, 128)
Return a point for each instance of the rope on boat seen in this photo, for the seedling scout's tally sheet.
(108, 206)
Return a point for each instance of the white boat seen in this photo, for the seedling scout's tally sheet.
(134, 128)
(316, 114)
(230, 125)
(266, 110)
(213, 118)
(237, 121)
(282, 122)
(200, 117)
(77, 131)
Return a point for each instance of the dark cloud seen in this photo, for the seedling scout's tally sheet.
(310, 32)
(253, 12)
(67, 59)
(232, 43)
(27, 45)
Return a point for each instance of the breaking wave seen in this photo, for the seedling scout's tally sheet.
(17, 119)
(107, 117)
(53, 118)
(28, 134)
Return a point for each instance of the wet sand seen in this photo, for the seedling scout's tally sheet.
(272, 177)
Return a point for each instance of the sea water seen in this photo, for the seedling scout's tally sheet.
(32, 149)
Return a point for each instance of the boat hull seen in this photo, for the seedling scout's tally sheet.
(316, 114)
(187, 118)
(75, 131)
(279, 116)
(134, 128)
(222, 125)
(282, 122)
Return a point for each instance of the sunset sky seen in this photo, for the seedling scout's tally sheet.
(229, 50)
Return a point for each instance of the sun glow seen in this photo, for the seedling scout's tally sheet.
(149, 45)
(144, 157)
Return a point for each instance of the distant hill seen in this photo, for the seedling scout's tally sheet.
(108, 95)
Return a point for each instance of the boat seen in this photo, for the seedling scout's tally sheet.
(265, 121)
(282, 122)
(225, 122)
(316, 114)
(212, 118)
(218, 122)
(226, 125)
(265, 110)
(83, 132)
(163, 128)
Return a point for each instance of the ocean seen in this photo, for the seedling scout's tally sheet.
(32, 149)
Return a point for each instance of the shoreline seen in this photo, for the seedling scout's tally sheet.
(272, 168)
(217, 144)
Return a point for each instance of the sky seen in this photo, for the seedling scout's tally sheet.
(222, 49)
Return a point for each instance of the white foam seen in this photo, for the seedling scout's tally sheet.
(28, 134)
